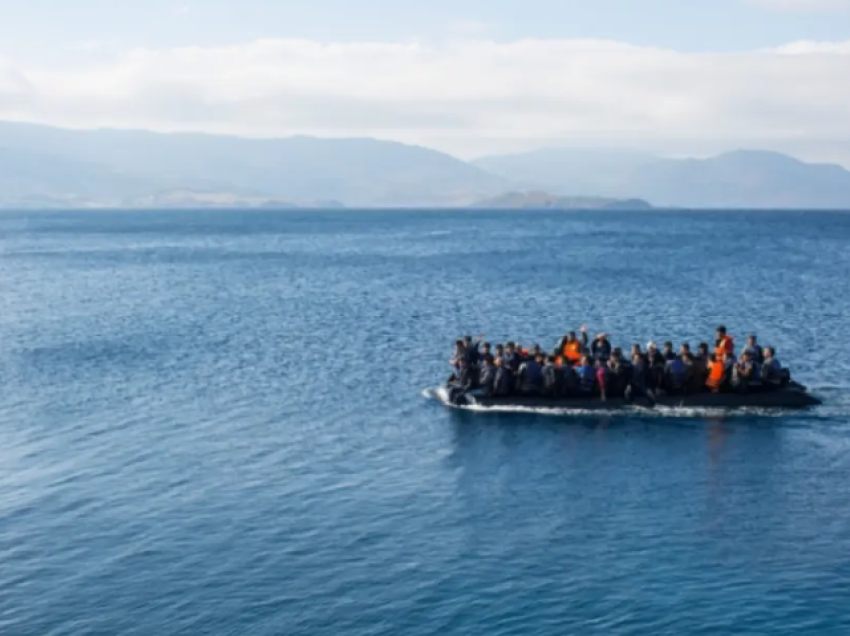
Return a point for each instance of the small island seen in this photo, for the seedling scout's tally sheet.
(544, 201)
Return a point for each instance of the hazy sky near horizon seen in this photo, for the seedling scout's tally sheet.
(466, 76)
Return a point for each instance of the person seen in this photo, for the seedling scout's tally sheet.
(640, 381)
(487, 378)
(724, 344)
(674, 374)
(618, 375)
(552, 377)
(600, 349)
(536, 351)
(746, 374)
(523, 352)
(716, 369)
(701, 360)
(531, 376)
(503, 380)
(486, 350)
(754, 349)
(466, 375)
(570, 386)
(694, 380)
(602, 376)
(571, 347)
(455, 360)
(773, 375)
(656, 363)
(667, 353)
(512, 358)
(586, 373)
(470, 350)
(500, 352)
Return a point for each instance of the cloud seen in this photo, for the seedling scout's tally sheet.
(181, 11)
(457, 92)
(803, 6)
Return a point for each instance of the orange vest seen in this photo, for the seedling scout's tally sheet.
(715, 375)
(572, 351)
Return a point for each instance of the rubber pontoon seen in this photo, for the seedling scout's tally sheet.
(790, 396)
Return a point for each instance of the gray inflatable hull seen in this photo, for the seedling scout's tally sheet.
(792, 396)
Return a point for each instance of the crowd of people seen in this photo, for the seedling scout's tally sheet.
(579, 368)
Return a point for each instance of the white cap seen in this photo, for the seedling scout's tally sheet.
(651, 345)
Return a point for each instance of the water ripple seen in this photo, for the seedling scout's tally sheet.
(216, 423)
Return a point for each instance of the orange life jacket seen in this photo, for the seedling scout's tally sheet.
(727, 344)
(715, 375)
(572, 351)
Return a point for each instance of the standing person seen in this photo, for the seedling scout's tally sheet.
(571, 347)
(601, 348)
(754, 349)
(725, 344)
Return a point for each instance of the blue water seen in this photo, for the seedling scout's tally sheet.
(218, 423)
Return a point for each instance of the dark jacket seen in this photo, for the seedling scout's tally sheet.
(487, 380)
(503, 382)
(552, 379)
(601, 350)
(531, 377)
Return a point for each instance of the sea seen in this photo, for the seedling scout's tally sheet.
(223, 422)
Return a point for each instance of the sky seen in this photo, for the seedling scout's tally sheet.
(470, 77)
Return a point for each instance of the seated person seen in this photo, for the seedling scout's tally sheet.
(531, 376)
(719, 371)
(586, 373)
(746, 374)
(512, 358)
(773, 375)
(675, 375)
(487, 377)
(756, 351)
(694, 374)
(618, 376)
(503, 381)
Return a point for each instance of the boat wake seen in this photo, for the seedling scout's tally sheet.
(441, 394)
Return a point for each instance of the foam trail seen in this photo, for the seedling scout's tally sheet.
(441, 394)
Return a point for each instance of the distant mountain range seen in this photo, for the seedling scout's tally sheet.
(739, 179)
(42, 166)
(544, 201)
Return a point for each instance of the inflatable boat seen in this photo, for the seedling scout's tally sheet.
(789, 396)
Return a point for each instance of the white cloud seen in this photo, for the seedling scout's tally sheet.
(455, 92)
(803, 6)
(181, 11)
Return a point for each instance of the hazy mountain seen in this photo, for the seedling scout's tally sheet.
(114, 167)
(739, 179)
(41, 166)
(535, 200)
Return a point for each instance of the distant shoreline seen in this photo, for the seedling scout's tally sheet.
(414, 209)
